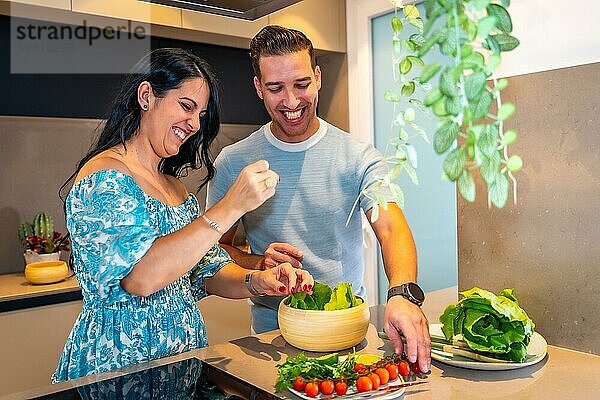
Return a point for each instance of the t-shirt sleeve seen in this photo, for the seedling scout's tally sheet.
(109, 221)
(372, 167)
(214, 259)
(221, 182)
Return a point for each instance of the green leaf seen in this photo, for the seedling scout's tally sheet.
(498, 191)
(432, 97)
(502, 84)
(504, 22)
(474, 85)
(448, 84)
(396, 24)
(416, 60)
(420, 131)
(481, 106)
(381, 199)
(466, 50)
(493, 62)
(408, 89)
(505, 41)
(439, 108)
(417, 39)
(453, 105)
(409, 115)
(466, 186)
(514, 163)
(410, 11)
(405, 66)
(490, 166)
(375, 212)
(391, 96)
(486, 25)
(429, 72)
(492, 44)
(398, 194)
(445, 136)
(510, 136)
(481, 4)
(427, 45)
(506, 111)
(448, 46)
(474, 61)
(488, 140)
(455, 163)
(417, 23)
(411, 173)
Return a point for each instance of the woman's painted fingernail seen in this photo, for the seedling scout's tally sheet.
(282, 289)
(309, 287)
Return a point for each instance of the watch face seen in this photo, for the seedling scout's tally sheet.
(416, 291)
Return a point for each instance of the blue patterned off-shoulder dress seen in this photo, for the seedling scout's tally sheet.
(113, 223)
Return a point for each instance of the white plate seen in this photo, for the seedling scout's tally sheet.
(382, 393)
(536, 351)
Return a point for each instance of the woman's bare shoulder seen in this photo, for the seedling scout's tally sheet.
(107, 160)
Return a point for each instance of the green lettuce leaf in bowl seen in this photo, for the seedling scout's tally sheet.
(489, 323)
(325, 298)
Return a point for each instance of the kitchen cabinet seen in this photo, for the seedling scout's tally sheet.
(324, 22)
(132, 10)
(62, 4)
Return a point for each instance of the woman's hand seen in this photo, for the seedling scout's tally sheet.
(254, 185)
(282, 280)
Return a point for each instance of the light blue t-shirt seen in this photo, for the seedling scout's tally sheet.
(321, 179)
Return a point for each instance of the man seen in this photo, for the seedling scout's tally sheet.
(323, 170)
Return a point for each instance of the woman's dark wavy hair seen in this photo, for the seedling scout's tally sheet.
(165, 69)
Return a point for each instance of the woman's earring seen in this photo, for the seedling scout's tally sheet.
(145, 107)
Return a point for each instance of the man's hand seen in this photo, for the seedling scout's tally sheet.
(278, 253)
(403, 316)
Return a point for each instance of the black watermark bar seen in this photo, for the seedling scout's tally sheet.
(82, 46)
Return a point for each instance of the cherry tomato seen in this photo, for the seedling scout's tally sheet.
(326, 386)
(299, 384)
(360, 368)
(311, 389)
(415, 368)
(384, 375)
(364, 384)
(392, 370)
(341, 388)
(404, 368)
(375, 379)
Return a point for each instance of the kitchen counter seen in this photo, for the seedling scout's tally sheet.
(16, 293)
(252, 361)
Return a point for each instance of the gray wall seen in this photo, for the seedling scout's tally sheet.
(546, 246)
(37, 156)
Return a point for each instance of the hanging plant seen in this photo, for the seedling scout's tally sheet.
(470, 131)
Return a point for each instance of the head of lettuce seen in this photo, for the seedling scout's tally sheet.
(491, 324)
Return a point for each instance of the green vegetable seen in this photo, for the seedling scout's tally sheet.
(494, 325)
(324, 367)
(325, 298)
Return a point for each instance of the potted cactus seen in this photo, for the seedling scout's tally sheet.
(40, 241)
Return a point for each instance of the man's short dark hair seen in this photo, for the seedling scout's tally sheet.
(275, 40)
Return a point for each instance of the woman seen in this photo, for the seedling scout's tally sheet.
(142, 251)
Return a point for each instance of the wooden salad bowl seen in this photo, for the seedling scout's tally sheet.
(323, 331)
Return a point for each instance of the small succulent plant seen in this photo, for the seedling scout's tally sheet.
(40, 236)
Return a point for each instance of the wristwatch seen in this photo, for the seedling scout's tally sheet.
(410, 291)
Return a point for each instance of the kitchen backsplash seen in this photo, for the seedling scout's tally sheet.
(546, 246)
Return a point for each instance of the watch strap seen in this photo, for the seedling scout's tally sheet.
(403, 290)
(251, 288)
